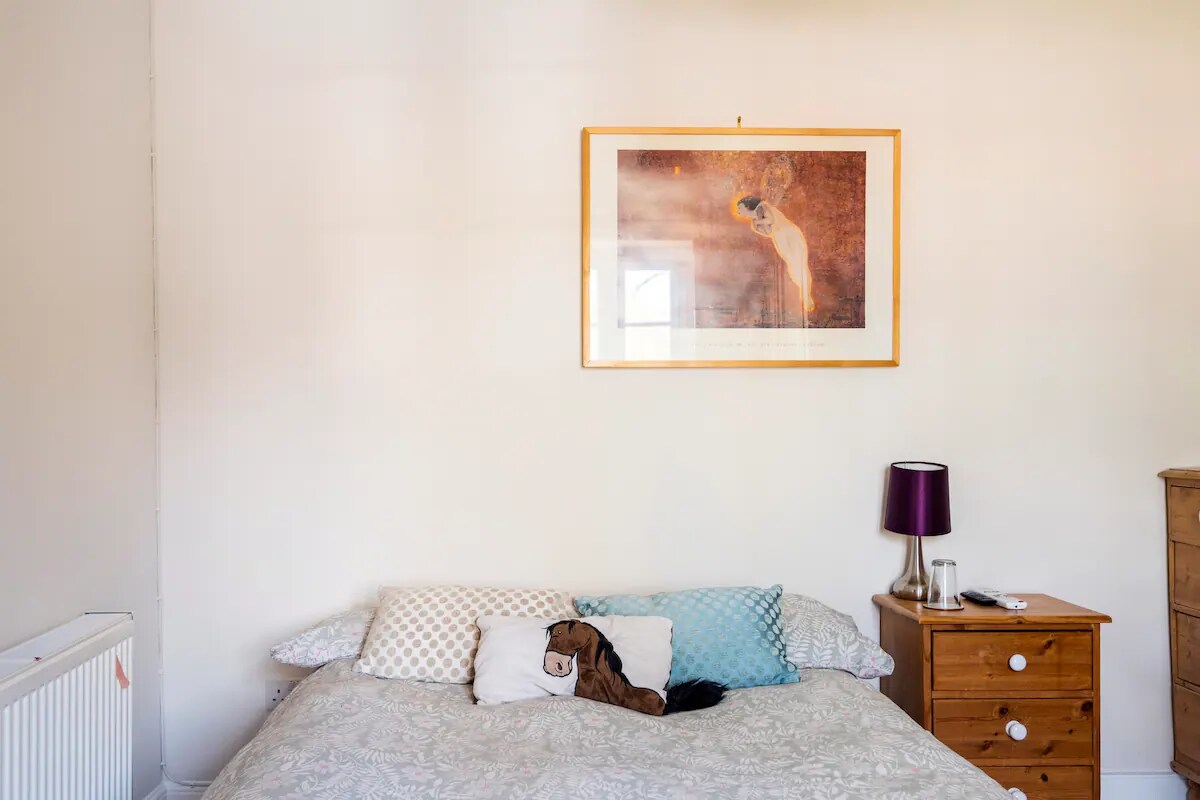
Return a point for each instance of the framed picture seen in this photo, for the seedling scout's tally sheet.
(741, 247)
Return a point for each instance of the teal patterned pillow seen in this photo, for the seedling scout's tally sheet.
(729, 635)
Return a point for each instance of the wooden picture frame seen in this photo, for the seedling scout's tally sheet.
(740, 247)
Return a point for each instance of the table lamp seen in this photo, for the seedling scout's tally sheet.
(917, 505)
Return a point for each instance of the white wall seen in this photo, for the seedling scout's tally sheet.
(370, 276)
(77, 472)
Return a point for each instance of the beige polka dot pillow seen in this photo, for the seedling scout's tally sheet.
(429, 634)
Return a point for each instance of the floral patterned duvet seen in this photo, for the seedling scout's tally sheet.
(830, 737)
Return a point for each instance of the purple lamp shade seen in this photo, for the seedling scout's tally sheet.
(918, 499)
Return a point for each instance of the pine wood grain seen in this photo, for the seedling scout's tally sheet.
(1187, 643)
(908, 685)
(1186, 583)
(1065, 744)
(1187, 771)
(1055, 660)
(1186, 708)
(1060, 731)
(1046, 783)
(1096, 710)
(1183, 514)
(1183, 582)
(1184, 476)
(1043, 610)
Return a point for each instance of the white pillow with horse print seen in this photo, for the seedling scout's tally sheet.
(621, 660)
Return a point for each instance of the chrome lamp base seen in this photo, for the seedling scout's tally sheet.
(914, 583)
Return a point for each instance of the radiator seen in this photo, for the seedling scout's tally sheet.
(66, 714)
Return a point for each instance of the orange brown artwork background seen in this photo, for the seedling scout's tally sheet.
(677, 210)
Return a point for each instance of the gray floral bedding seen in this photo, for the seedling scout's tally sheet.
(830, 737)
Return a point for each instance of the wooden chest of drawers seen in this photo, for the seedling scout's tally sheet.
(1183, 587)
(1017, 693)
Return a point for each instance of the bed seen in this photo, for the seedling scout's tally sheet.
(830, 737)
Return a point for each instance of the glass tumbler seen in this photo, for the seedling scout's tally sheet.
(943, 586)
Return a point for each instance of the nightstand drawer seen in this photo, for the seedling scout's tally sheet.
(1056, 731)
(1183, 514)
(1187, 647)
(1186, 587)
(1186, 713)
(1045, 783)
(1012, 660)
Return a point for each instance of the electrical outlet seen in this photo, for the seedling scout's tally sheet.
(277, 690)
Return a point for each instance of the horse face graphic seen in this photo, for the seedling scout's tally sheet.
(557, 664)
(560, 648)
(601, 676)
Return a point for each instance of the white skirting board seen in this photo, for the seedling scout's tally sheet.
(170, 791)
(1113, 786)
(1142, 786)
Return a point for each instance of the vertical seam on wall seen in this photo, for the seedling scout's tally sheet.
(154, 283)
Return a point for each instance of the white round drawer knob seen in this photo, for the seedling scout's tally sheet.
(1017, 662)
(1016, 730)
(1018, 794)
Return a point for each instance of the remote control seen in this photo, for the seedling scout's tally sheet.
(979, 598)
(1003, 600)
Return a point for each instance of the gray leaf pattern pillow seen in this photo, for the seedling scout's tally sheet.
(818, 637)
(339, 636)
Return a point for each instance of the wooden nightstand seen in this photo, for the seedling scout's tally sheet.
(967, 676)
(1183, 585)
